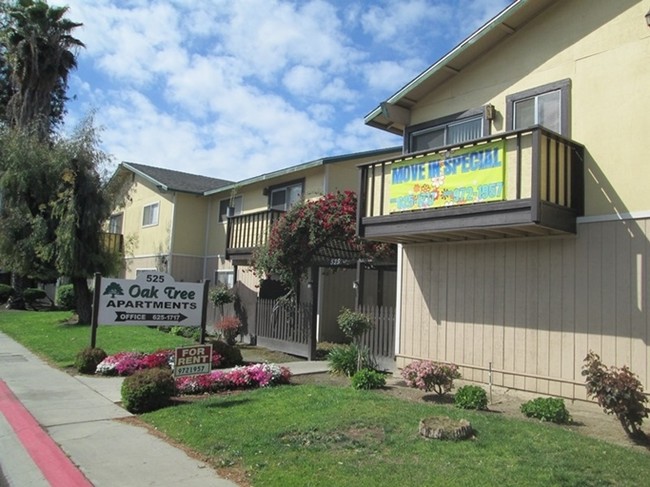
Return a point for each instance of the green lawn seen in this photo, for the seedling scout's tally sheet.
(48, 335)
(312, 435)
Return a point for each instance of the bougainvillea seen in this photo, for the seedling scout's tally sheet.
(311, 225)
(251, 376)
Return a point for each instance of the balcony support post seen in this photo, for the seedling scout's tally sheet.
(536, 175)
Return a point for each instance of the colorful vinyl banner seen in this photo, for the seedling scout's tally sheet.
(470, 175)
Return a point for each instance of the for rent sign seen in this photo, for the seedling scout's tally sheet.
(152, 299)
(467, 176)
(193, 360)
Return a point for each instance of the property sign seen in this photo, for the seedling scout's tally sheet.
(153, 298)
(193, 360)
(470, 175)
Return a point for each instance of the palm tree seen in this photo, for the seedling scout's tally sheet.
(41, 53)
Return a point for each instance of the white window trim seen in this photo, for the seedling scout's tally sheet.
(157, 203)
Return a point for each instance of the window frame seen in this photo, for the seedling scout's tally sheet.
(222, 218)
(413, 130)
(157, 220)
(563, 86)
(111, 222)
(225, 272)
(286, 186)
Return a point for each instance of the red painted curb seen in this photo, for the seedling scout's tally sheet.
(55, 466)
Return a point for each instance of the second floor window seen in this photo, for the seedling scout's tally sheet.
(546, 105)
(150, 214)
(115, 223)
(237, 203)
(283, 197)
(453, 129)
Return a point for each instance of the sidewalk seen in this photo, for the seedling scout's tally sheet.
(78, 413)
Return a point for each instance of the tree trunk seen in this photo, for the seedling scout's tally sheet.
(19, 284)
(84, 300)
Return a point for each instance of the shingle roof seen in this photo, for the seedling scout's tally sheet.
(176, 180)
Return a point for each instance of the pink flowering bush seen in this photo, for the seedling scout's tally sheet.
(251, 376)
(430, 376)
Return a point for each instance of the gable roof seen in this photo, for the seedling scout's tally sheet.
(170, 180)
(393, 114)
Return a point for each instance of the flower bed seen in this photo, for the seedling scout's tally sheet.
(126, 363)
(248, 377)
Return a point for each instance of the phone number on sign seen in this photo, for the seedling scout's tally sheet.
(192, 369)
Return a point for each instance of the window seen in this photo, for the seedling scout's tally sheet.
(283, 197)
(150, 215)
(546, 105)
(225, 278)
(115, 223)
(460, 127)
(237, 201)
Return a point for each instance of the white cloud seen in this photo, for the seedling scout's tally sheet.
(233, 89)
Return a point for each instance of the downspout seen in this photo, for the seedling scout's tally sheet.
(208, 224)
(398, 301)
(171, 236)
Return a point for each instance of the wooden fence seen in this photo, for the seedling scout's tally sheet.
(380, 339)
(284, 328)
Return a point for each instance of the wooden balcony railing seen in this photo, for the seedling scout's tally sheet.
(540, 191)
(247, 232)
(113, 242)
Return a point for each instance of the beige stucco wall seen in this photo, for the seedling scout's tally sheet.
(143, 244)
(602, 47)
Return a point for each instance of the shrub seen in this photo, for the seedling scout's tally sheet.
(431, 376)
(221, 295)
(148, 390)
(471, 397)
(186, 331)
(618, 392)
(368, 379)
(353, 324)
(547, 409)
(5, 293)
(88, 359)
(345, 359)
(228, 328)
(230, 354)
(65, 297)
(32, 295)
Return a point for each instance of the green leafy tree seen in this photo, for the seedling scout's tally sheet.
(54, 205)
(80, 206)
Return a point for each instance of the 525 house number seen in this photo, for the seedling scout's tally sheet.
(155, 278)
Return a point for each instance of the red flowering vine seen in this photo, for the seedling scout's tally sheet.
(306, 228)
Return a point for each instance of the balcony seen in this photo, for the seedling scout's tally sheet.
(247, 232)
(113, 242)
(524, 183)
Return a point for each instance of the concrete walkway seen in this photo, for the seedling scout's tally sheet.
(79, 414)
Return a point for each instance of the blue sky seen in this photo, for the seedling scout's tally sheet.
(236, 88)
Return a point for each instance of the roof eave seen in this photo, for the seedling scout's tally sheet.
(377, 117)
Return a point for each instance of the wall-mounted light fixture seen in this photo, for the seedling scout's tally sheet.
(355, 284)
(265, 191)
(310, 284)
(647, 18)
